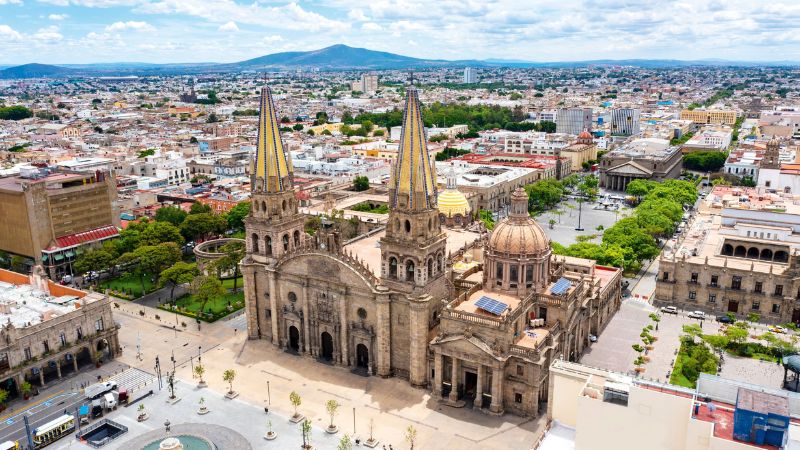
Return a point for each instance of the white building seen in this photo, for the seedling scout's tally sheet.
(625, 121)
(470, 75)
(573, 120)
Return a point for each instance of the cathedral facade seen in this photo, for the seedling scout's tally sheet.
(411, 315)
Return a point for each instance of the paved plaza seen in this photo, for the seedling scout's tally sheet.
(563, 230)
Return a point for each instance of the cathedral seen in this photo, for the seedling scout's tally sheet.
(478, 323)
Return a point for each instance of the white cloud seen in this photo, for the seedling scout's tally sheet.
(272, 39)
(357, 15)
(91, 3)
(229, 26)
(6, 32)
(371, 26)
(48, 34)
(129, 25)
(10, 2)
(57, 16)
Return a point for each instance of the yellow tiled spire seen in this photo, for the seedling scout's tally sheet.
(413, 181)
(272, 168)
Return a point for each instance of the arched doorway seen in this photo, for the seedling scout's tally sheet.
(104, 349)
(294, 338)
(362, 356)
(327, 346)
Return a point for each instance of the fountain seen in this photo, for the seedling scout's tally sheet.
(181, 442)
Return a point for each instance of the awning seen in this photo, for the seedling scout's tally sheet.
(94, 235)
(58, 256)
(69, 254)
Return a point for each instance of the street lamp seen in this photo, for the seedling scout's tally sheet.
(580, 212)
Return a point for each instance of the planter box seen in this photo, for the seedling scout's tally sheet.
(297, 418)
(270, 436)
(231, 395)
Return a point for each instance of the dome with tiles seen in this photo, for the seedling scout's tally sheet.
(519, 234)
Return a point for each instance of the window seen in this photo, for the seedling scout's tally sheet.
(46, 346)
(665, 277)
(712, 298)
(755, 306)
(63, 338)
(779, 289)
(512, 270)
(98, 325)
(736, 283)
(499, 273)
(529, 275)
(776, 308)
(694, 277)
(517, 397)
(28, 353)
(520, 370)
(362, 313)
(292, 297)
(714, 280)
(79, 333)
(692, 295)
(758, 287)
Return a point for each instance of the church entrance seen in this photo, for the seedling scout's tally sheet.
(294, 338)
(327, 346)
(362, 356)
(470, 385)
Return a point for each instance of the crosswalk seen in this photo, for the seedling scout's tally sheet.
(133, 379)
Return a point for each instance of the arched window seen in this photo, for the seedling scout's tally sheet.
(268, 246)
(409, 270)
(430, 268)
(781, 256)
(439, 263)
(296, 238)
(283, 205)
(263, 206)
(285, 242)
(766, 254)
(740, 252)
(392, 267)
(255, 242)
(727, 249)
(408, 226)
(752, 252)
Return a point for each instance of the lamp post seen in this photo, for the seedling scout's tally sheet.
(269, 398)
(580, 212)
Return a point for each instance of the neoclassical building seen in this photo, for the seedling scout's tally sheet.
(409, 315)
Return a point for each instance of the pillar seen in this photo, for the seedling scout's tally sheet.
(437, 374)
(41, 376)
(345, 353)
(455, 366)
(418, 343)
(479, 387)
(252, 292)
(58, 368)
(306, 341)
(383, 353)
(273, 306)
(497, 391)
(75, 362)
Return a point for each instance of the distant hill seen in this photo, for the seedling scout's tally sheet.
(339, 57)
(35, 71)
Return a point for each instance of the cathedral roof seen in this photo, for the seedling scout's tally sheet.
(452, 202)
(413, 182)
(518, 234)
(272, 168)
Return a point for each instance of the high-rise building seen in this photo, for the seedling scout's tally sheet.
(625, 121)
(573, 120)
(470, 75)
(369, 83)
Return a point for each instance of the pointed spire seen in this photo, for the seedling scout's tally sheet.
(452, 180)
(413, 180)
(272, 168)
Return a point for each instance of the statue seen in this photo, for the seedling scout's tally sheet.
(171, 383)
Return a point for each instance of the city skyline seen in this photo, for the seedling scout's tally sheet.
(61, 31)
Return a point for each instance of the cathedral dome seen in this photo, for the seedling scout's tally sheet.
(451, 202)
(519, 234)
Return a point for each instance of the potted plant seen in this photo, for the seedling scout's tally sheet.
(306, 430)
(199, 370)
(228, 376)
(639, 362)
(332, 406)
(26, 389)
(271, 435)
(142, 413)
(203, 408)
(371, 442)
(295, 399)
(345, 443)
(411, 436)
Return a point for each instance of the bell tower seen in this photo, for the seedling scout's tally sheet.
(274, 225)
(413, 250)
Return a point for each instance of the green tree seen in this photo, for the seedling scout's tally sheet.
(704, 161)
(487, 218)
(93, 260)
(179, 273)
(15, 113)
(345, 443)
(199, 208)
(297, 127)
(360, 183)
(736, 335)
(150, 260)
(233, 253)
(411, 436)
(237, 214)
(228, 376)
(639, 188)
(296, 401)
(693, 330)
(157, 232)
(171, 214)
(212, 118)
(202, 225)
(332, 407)
(544, 194)
(3, 396)
(206, 289)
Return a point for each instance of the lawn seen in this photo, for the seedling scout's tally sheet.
(693, 358)
(128, 286)
(214, 309)
(227, 283)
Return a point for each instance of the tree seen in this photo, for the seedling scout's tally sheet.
(360, 183)
(199, 208)
(637, 348)
(544, 194)
(150, 260)
(202, 225)
(93, 260)
(15, 113)
(179, 273)
(171, 214)
(25, 388)
(693, 330)
(158, 232)
(332, 406)
(212, 118)
(228, 376)
(296, 401)
(487, 218)
(306, 430)
(411, 436)
(655, 318)
(3, 396)
(704, 161)
(736, 334)
(237, 214)
(199, 370)
(206, 289)
(232, 252)
(753, 317)
(639, 188)
(297, 127)
(345, 443)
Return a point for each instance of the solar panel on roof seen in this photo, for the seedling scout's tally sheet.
(491, 305)
(561, 286)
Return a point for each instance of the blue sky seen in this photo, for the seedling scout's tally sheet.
(86, 31)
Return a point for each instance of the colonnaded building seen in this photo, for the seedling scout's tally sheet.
(476, 319)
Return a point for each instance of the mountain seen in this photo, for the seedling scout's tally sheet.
(339, 57)
(35, 71)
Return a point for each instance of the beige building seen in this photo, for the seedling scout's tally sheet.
(709, 116)
(392, 304)
(739, 255)
(48, 216)
(48, 331)
(582, 150)
(647, 159)
(596, 409)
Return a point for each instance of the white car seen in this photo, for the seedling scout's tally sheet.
(669, 310)
(697, 315)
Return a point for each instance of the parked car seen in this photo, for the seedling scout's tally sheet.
(697, 315)
(669, 310)
(592, 338)
(777, 329)
(98, 390)
(725, 319)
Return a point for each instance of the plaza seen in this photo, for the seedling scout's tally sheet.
(566, 215)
